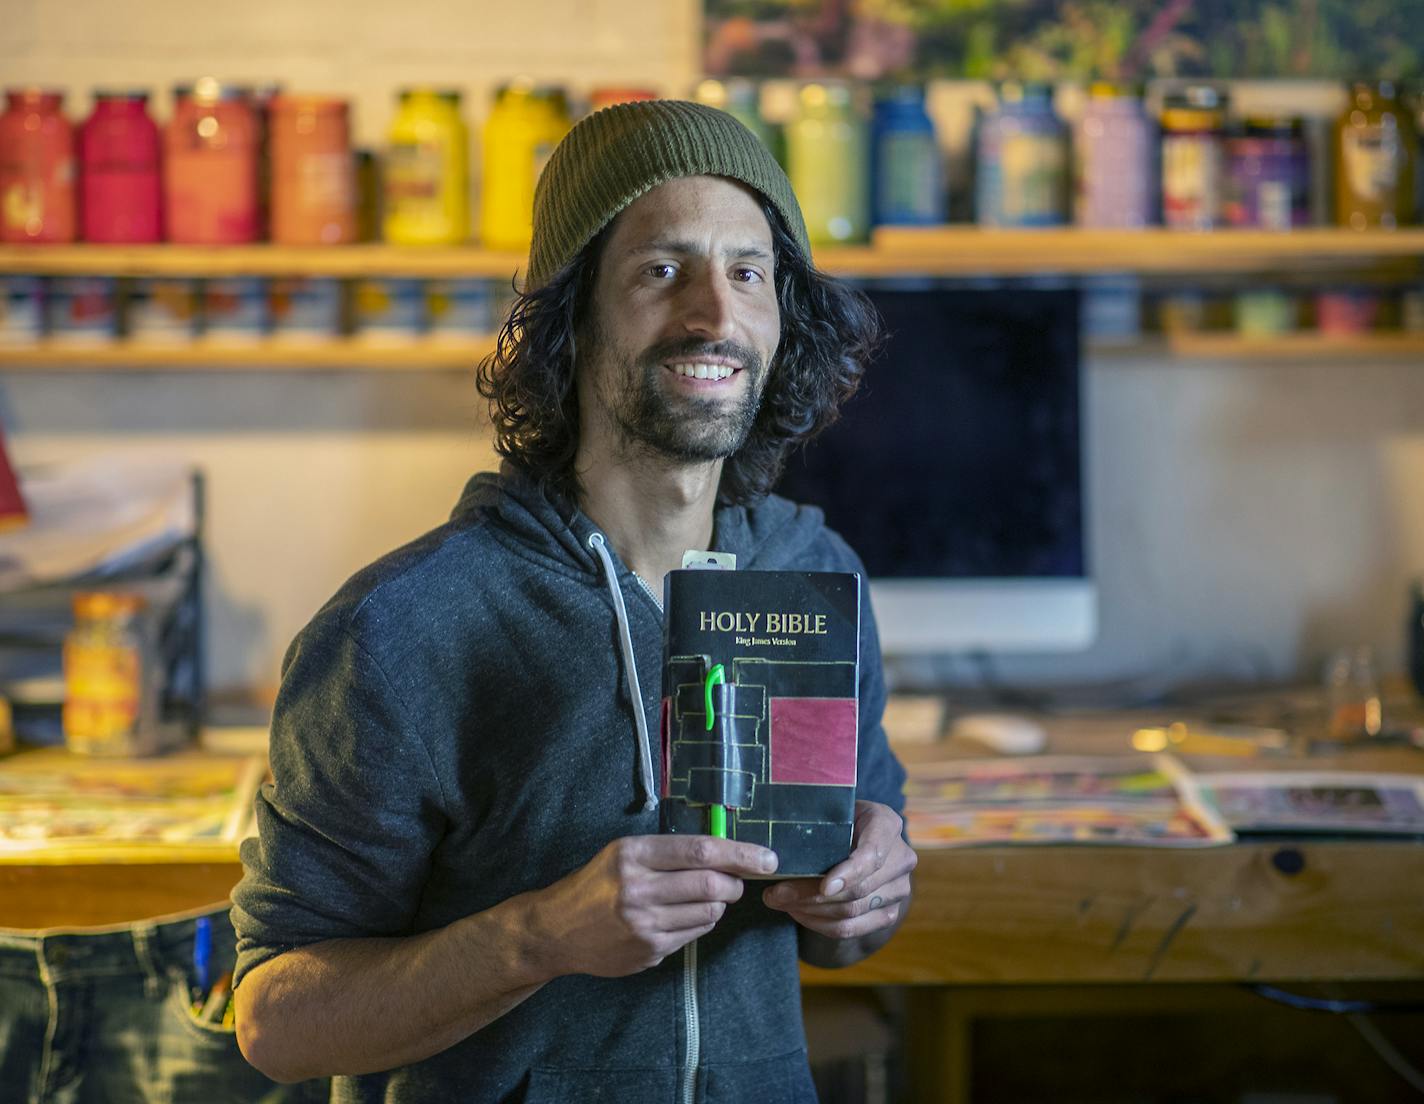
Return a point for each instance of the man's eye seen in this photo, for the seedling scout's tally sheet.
(746, 275)
(661, 271)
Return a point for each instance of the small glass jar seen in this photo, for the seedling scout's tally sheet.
(1352, 696)
(827, 161)
(1023, 174)
(110, 688)
(426, 181)
(210, 166)
(313, 199)
(908, 186)
(1116, 144)
(1194, 158)
(1375, 152)
(37, 168)
(1268, 174)
(119, 154)
(524, 126)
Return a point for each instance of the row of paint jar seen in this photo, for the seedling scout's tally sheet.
(206, 178)
(163, 310)
(237, 164)
(1267, 311)
(1189, 169)
(847, 172)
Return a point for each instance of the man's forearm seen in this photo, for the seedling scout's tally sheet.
(351, 1006)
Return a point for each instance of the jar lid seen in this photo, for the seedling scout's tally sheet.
(1187, 118)
(35, 96)
(826, 93)
(1200, 97)
(609, 96)
(1015, 91)
(1114, 90)
(1267, 125)
(519, 86)
(210, 90)
(98, 605)
(415, 91)
(1384, 88)
(309, 103)
(903, 95)
(735, 91)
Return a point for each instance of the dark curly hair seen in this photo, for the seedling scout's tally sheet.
(829, 332)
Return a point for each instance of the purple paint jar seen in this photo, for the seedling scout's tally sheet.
(1268, 174)
(1116, 183)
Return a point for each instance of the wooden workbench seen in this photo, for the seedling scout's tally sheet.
(1294, 911)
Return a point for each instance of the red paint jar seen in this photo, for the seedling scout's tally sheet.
(37, 193)
(118, 156)
(210, 163)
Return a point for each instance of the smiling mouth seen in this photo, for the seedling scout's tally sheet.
(702, 370)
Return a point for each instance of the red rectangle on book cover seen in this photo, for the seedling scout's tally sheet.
(813, 741)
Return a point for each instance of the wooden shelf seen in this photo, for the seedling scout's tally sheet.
(257, 260)
(1304, 346)
(337, 354)
(896, 251)
(462, 355)
(967, 251)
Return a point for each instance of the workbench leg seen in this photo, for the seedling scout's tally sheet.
(937, 1046)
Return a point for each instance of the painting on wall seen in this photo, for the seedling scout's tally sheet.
(1064, 39)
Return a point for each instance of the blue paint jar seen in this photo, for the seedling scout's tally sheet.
(907, 184)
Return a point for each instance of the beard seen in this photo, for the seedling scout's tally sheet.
(682, 428)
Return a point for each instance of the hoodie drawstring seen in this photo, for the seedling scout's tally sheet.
(630, 670)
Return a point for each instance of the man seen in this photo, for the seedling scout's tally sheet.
(459, 891)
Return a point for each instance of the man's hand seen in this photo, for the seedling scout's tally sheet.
(638, 900)
(865, 894)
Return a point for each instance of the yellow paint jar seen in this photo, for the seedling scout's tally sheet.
(426, 185)
(524, 126)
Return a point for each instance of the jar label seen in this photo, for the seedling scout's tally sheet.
(1370, 160)
(1033, 174)
(1191, 181)
(414, 173)
(102, 688)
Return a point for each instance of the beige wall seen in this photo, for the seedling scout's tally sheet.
(1245, 518)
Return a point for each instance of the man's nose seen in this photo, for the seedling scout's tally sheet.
(707, 307)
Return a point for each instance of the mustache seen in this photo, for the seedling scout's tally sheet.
(691, 347)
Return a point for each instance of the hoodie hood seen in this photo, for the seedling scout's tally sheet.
(773, 531)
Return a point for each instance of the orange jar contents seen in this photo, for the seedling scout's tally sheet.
(210, 166)
(313, 172)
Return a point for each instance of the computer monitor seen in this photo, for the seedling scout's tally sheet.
(956, 472)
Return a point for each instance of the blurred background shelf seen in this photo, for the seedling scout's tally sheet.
(1304, 346)
(462, 355)
(936, 251)
(336, 354)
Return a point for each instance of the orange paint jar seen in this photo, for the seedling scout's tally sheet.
(313, 172)
(210, 161)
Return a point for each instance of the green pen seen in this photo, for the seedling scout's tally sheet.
(716, 814)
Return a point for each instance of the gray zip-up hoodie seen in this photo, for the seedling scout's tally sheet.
(457, 726)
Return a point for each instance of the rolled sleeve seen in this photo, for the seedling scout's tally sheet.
(346, 829)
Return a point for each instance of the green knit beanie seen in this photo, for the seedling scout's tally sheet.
(616, 155)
